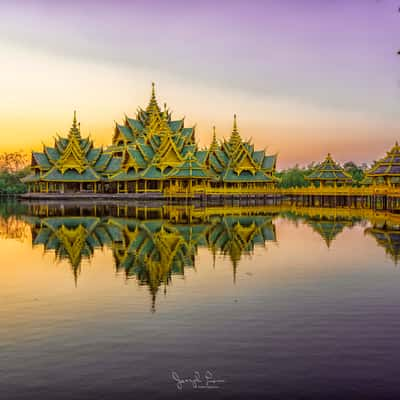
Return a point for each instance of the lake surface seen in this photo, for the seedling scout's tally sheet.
(112, 301)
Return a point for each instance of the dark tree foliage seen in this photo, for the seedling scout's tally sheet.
(356, 171)
(294, 177)
(12, 169)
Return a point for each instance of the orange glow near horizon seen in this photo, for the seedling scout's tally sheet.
(39, 104)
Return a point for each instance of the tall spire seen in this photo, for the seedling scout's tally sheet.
(153, 105)
(235, 138)
(153, 111)
(234, 123)
(75, 128)
(214, 144)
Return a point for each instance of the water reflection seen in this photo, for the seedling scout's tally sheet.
(386, 231)
(152, 244)
(328, 223)
(155, 243)
(323, 316)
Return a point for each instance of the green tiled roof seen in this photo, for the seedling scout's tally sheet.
(175, 125)
(126, 132)
(135, 124)
(131, 175)
(41, 159)
(190, 168)
(62, 143)
(152, 172)
(113, 166)
(146, 150)
(187, 132)
(387, 166)
(259, 156)
(93, 155)
(89, 175)
(269, 162)
(215, 163)
(52, 153)
(222, 157)
(102, 161)
(329, 170)
(155, 141)
(201, 155)
(189, 149)
(245, 176)
(137, 156)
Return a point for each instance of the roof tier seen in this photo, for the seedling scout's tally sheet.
(329, 170)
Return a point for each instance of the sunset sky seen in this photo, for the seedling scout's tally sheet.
(304, 77)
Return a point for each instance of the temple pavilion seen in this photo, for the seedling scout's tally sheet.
(151, 153)
(386, 171)
(329, 174)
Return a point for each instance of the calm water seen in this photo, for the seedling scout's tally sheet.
(104, 301)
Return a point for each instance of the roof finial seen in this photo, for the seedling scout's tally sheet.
(74, 120)
(234, 123)
(153, 89)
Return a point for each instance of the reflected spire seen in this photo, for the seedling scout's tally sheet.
(154, 249)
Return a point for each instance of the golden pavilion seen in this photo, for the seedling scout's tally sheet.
(151, 153)
(329, 173)
(386, 171)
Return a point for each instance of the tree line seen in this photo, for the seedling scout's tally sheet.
(13, 167)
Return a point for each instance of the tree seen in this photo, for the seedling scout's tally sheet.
(356, 172)
(12, 162)
(13, 167)
(294, 177)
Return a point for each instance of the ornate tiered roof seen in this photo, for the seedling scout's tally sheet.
(235, 160)
(329, 170)
(157, 147)
(387, 168)
(72, 159)
(152, 146)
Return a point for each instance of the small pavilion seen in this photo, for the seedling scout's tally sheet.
(329, 174)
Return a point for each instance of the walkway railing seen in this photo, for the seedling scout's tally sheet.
(303, 191)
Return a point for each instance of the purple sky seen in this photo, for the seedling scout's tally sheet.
(335, 57)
